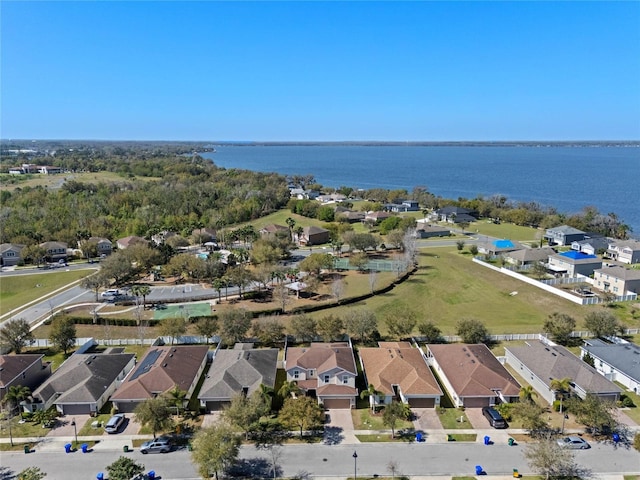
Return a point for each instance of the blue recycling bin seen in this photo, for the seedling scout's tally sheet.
(151, 475)
(84, 447)
(67, 448)
(487, 440)
(616, 437)
(100, 476)
(479, 470)
(418, 437)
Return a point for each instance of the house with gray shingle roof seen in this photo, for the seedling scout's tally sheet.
(563, 235)
(618, 362)
(160, 370)
(237, 371)
(472, 375)
(592, 245)
(328, 369)
(529, 256)
(624, 251)
(396, 369)
(10, 254)
(539, 364)
(25, 369)
(84, 382)
(616, 279)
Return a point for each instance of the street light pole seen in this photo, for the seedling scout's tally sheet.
(75, 430)
(355, 465)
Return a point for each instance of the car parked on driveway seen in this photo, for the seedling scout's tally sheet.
(115, 423)
(576, 443)
(157, 445)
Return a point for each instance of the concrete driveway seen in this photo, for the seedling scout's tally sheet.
(426, 419)
(64, 428)
(339, 427)
(477, 420)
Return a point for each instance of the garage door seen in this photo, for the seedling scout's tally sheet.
(216, 406)
(476, 402)
(422, 402)
(82, 409)
(337, 403)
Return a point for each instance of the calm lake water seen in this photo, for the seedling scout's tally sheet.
(568, 178)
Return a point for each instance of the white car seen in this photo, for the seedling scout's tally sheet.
(576, 443)
(114, 423)
(113, 292)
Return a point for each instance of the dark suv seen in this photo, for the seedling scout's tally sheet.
(494, 417)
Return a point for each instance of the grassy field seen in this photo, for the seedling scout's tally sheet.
(20, 289)
(10, 182)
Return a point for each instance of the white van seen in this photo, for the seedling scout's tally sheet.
(113, 292)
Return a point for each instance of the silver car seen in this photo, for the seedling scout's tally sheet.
(114, 423)
(576, 443)
(157, 445)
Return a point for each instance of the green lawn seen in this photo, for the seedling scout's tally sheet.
(450, 419)
(363, 419)
(18, 290)
(505, 230)
(462, 437)
(183, 311)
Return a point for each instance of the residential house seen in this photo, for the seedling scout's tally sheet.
(327, 370)
(314, 236)
(104, 247)
(302, 194)
(204, 234)
(273, 229)
(83, 383)
(377, 217)
(618, 362)
(424, 230)
(124, 243)
(499, 247)
(26, 370)
(396, 370)
(349, 216)
(49, 170)
(456, 215)
(237, 371)
(574, 263)
(404, 206)
(563, 235)
(160, 238)
(160, 370)
(10, 254)
(529, 256)
(592, 245)
(617, 279)
(331, 198)
(55, 251)
(624, 251)
(472, 375)
(539, 364)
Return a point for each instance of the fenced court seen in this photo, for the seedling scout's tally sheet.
(377, 265)
(186, 310)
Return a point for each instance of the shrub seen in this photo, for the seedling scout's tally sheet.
(636, 442)
(626, 402)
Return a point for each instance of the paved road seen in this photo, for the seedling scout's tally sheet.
(318, 460)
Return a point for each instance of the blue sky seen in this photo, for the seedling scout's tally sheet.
(316, 71)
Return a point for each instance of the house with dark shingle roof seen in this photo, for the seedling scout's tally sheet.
(397, 370)
(328, 369)
(539, 364)
(160, 370)
(10, 254)
(456, 215)
(54, 251)
(563, 235)
(84, 382)
(314, 236)
(618, 362)
(24, 369)
(472, 375)
(237, 371)
(592, 245)
(424, 230)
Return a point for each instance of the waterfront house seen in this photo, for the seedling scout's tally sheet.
(563, 235)
(592, 245)
(624, 251)
(456, 215)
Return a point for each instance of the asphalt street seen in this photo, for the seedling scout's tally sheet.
(317, 460)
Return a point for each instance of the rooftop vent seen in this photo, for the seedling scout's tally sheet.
(164, 365)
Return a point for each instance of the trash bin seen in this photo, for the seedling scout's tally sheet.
(516, 474)
(151, 475)
(125, 449)
(479, 470)
(511, 442)
(487, 440)
(189, 447)
(616, 437)
(100, 476)
(449, 437)
(27, 449)
(84, 447)
(418, 437)
(67, 448)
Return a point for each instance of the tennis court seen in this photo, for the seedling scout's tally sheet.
(186, 310)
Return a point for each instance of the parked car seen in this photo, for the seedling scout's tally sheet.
(112, 292)
(494, 417)
(157, 445)
(576, 443)
(114, 423)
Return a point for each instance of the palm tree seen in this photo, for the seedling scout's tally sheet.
(15, 395)
(289, 389)
(290, 223)
(527, 393)
(266, 393)
(177, 397)
(372, 393)
(561, 386)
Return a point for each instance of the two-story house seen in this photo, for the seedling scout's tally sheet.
(326, 369)
(563, 235)
(574, 263)
(624, 251)
(10, 254)
(55, 251)
(618, 280)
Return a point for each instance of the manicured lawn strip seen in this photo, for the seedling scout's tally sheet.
(634, 412)
(26, 429)
(450, 419)
(17, 447)
(463, 437)
(17, 290)
(364, 420)
(380, 437)
(508, 231)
